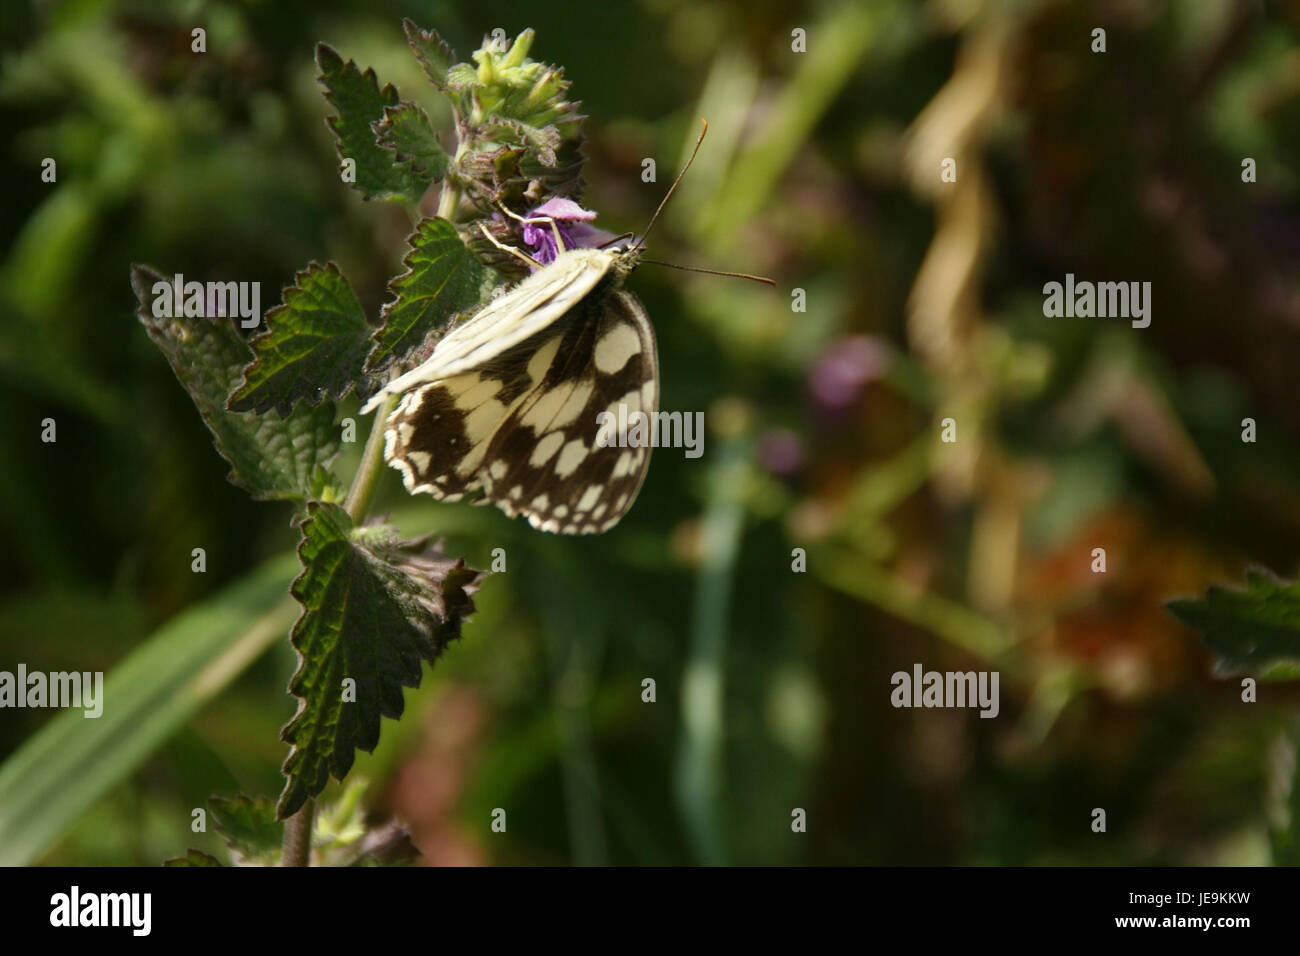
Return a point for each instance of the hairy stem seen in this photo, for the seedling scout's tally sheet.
(362, 491)
(296, 849)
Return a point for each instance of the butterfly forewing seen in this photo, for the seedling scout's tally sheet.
(522, 426)
(535, 303)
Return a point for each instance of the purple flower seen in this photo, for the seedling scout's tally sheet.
(571, 220)
(844, 368)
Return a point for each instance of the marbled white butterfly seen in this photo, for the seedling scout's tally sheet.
(506, 405)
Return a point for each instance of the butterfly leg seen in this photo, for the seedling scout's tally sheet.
(532, 220)
(510, 249)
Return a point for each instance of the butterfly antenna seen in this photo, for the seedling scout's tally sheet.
(617, 239)
(704, 128)
(710, 272)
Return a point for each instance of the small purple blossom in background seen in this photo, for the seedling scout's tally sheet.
(572, 222)
(850, 363)
(781, 452)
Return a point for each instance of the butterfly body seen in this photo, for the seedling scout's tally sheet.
(506, 407)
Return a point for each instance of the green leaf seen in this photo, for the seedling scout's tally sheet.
(314, 345)
(407, 131)
(326, 487)
(56, 774)
(270, 457)
(249, 827)
(194, 858)
(373, 608)
(434, 54)
(1254, 628)
(360, 102)
(443, 279)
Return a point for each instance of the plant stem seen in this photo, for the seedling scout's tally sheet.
(363, 483)
(296, 849)
(449, 200)
(362, 491)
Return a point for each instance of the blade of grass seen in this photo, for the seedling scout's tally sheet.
(72, 761)
(700, 756)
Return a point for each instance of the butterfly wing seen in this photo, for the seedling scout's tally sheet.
(440, 432)
(546, 462)
(522, 428)
(535, 303)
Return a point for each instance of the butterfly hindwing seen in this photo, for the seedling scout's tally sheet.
(440, 432)
(522, 426)
(546, 461)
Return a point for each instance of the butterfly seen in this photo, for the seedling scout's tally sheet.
(506, 407)
(507, 403)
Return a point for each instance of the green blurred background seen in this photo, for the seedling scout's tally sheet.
(923, 302)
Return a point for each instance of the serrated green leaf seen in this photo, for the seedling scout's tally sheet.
(435, 56)
(194, 858)
(314, 346)
(373, 608)
(1256, 627)
(443, 279)
(360, 102)
(249, 826)
(270, 457)
(406, 130)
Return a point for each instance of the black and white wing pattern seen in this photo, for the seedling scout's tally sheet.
(528, 308)
(519, 427)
